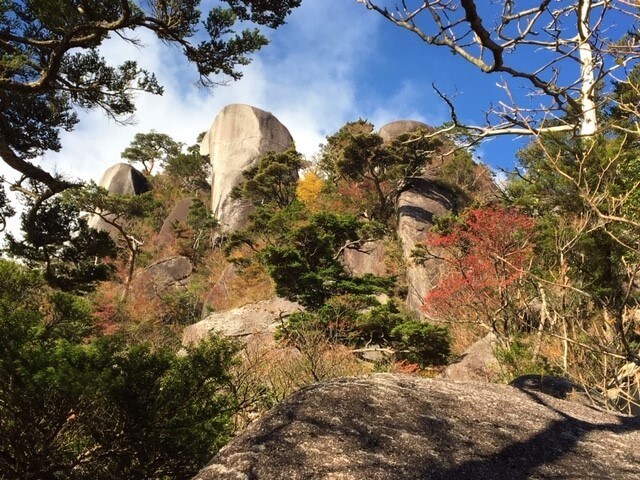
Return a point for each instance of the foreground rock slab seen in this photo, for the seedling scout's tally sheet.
(400, 427)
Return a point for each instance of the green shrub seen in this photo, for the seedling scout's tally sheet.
(422, 343)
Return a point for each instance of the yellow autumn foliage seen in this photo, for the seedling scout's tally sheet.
(309, 189)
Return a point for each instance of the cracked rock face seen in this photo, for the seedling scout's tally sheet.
(177, 216)
(394, 427)
(163, 276)
(239, 136)
(417, 207)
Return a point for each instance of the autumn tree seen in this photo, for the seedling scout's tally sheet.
(487, 254)
(578, 61)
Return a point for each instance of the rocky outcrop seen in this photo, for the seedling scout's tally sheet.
(123, 179)
(120, 179)
(239, 136)
(260, 318)
(392, 130)
(221, 293)
(417, 208)
(368, 259)
(398, 427)
(177, 216)
(163, 276)
(477, 363)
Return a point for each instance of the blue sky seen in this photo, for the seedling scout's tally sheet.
(331, 63)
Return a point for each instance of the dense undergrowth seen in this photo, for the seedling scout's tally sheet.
(92, 377)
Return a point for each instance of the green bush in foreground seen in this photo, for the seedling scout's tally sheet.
(75, 404)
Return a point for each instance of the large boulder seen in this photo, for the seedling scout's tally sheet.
(239, 136)
(394, 129)
(398, 427)
(177, 217)
(477, 363)
(163, 276)
(369, 259)
(418, 206)
(123, 179)
(120, 179)
(257, 319)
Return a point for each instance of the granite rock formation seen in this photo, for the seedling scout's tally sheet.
(239, 136)
(394, 129)
(123, 179)
(477, 363)
(398, 427)
(120, 179)
(369, 259)
(417, 206)
(260, 318)
(163, 276)
(177, 216)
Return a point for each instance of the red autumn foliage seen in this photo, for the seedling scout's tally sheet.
(485, 256)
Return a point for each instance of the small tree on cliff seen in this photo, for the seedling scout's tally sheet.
(151, 149)
(356, 154)
(273, 180)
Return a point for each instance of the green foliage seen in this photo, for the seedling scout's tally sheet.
(116, 210)
(361, 321)
(516, 359)
(6, 211)
(182, 307)
(356, 154)
(273, 179)
(75, 404)
(363, 165)
(546, 190)
(460, 170)
(190, 170)
(151, 149)
(197, 237)
(423, 343)
(57, 239)
(305, 265)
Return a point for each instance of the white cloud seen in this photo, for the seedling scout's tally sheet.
(305, 77)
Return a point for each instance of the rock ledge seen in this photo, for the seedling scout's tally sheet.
(400, 427)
